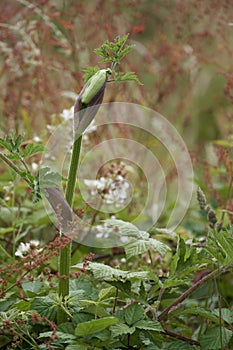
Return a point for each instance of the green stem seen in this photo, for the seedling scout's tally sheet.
(14, 167)
(65, 253)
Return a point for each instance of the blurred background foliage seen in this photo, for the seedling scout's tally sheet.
(183, 56)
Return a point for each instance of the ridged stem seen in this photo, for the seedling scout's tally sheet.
(65, 253)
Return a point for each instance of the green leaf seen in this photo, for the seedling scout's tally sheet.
(4, 230)
(126, 228)
(137, 275)
(140, 246)
(210, 315)
(101, 271)
(94, 326)
(171, 282)
(179, 345)
(5, 144)
(94, 309)
(187, 259)
(107, 293)
(81, 317)
(66, 327)
(77, 346)
(223, 143)
(124, 286)
(45, 307)
(14, 156)
(150, 339)
(149, 325)
(215, 338)
(226, 242)
(88, 288)
(23, 305)
(121, 329)
(89, 72)
(33, 287)
(142, 243)
(225, 314)
(129, 76)
(134, 313)
(114, 51)
(62, 336)
(178, 258)
(33, 148)
(18, 142)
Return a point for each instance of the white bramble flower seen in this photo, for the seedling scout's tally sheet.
(25, 248)
(105, 229)
(35, 166)
(37, 139)
(113, 191)
(68, 114)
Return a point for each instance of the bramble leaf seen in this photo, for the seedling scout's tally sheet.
(149, 325)
(215, 338)
(121, 329)
(94, 326)
(134, 313)
(102, 271)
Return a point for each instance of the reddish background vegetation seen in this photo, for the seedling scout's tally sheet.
(183, 57)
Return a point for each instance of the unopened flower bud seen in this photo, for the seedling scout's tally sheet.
(89, 101)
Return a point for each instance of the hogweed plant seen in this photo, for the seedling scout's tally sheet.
(85, 109)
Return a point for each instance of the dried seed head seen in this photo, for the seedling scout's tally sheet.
(211, 216)
(201, 198)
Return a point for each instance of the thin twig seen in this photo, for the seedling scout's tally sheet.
(117, 251)
(190, 290)
(162, 290)
(180, 336)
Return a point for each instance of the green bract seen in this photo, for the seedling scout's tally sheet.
(94, 84)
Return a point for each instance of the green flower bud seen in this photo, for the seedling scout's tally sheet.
(94, 85)
(89, 100)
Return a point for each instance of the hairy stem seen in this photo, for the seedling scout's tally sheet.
(65, 253)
